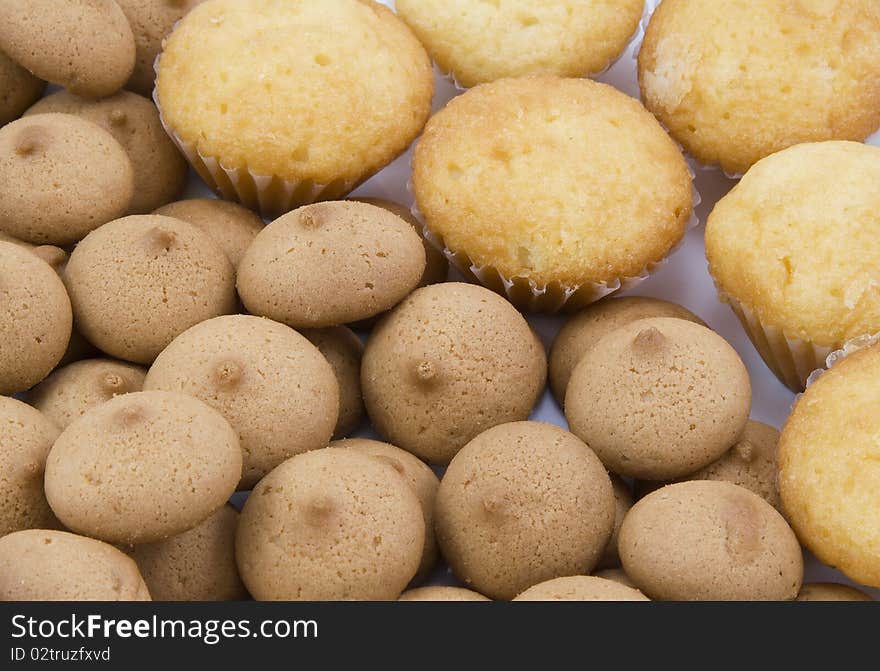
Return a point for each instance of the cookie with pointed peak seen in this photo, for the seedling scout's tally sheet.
(19, 89)
(581, 588)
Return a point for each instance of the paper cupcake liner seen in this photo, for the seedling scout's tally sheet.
(839, 355)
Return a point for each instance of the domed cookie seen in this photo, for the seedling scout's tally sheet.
(19, 89)
(26, 436)
(449, 362)
(520, 504)
(330, 525)
(441, 593)
(166, 462)
(159, 169)
(623, 501)
(35, 319)
(581, 588)
(830, 591)
(617, 575)
(343, 350)
(140, 281)
(72, 390)
(330, 263)
(85, 46)
(60, 177)
(659, 398)
(197, 565)
(269, 382)
(710, 541)
(41, 565)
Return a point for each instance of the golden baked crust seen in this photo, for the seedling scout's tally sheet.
(735, 81)
(479, 42)
(796, 241)
(829, 467)
(581, 588)
(575, 183)
(337, 102)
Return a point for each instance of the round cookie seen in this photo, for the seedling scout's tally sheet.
(327, 525)
(268, 381)
(422, 480)
(60, 177)
(85, 46)
(19, 89)
(659, 398)
(581, 588)
(26, 436)
(230, 225)
(197, 565)
(166, 462)
(41, 565)
(623, 501)
(343, 350)
(70, 391)
(441, 593)
(138, 282)
(35, 319)
(584, 329)
(150, 21)
(449, 362)
(830, 591)
(520, 504)
(159, 169)
(330, 263)
(710, 541)
(617, 575)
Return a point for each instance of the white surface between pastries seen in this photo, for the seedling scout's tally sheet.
(684, 280)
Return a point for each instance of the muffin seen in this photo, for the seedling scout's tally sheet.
(35, 319)
(442, 593)
(829, 591)
(330, 525)
(583, 329)
(343, 351)
(482, 42)
(19, 89)
(659, 398)
(61, 178)
(330, 263)
(737, 81)
(270, 383)
(230, 225)
(794, 250)
(166, 463)
(41, 565)
(613, 199)
(285, 121)
(581, 588)
(623, 501)
(26, 435)
(520, 504)
(70, 391)
(159, 169)
(449, 362)
(710, 541)
(138, 282)
(85, 46)
(828, 477)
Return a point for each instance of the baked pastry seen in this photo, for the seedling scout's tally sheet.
(520, 504)
(72, 390)
(166, 462)
(42, 565)
(138, 282)
(830, 591)
(159, 169)
(35, 319)
(482, 42)
(739, 80)
(60, 177)
(270, 383)
(581, 588)
(85, 46)
(827, 467)
(19, 89)
(623, 501)
(285, 121)
(330, 525)
(613, 198)
(710, 541)
(617, 575)
(441, 593)
(659, 398)
(343, 351)
(449, 362)
(794, 250)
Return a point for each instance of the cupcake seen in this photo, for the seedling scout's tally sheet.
(306, 100)
(575, 194)
(739, 80)
(794, 249)
(484, 41)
